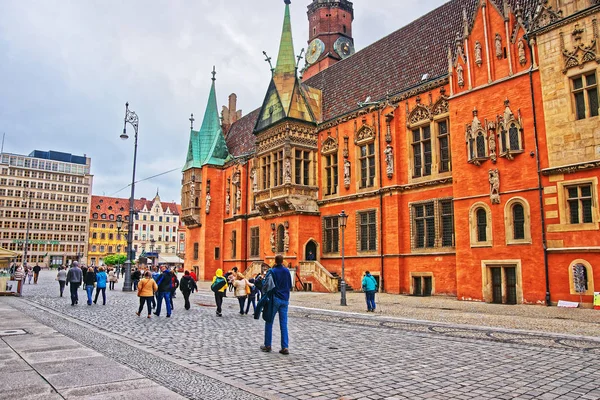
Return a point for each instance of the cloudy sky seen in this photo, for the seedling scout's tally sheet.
(67, 67)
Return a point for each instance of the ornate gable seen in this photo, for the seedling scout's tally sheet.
(580, 52)
(330, 145)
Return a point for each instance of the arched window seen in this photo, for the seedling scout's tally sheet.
(514, 138)
(481, 225)
(280, 238)
(518, 221)
(581, 278)
(480, 222)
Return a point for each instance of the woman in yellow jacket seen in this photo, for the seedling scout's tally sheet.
(146, 289)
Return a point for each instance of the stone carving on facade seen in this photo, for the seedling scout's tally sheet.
(345, 151)
(286, 240)
(545, 15)
(498, 46)
(192, 195)
(347, 173)
(476, 141)
(494, 178)
(272, 240)
(441, 106)
(364, 133)
(330, 145)
(509, 124)
(238, 199)
(388, 126)
(254, 176)
(419, 113)
(287, 171)
(491, 127)
(460, 76)
(208, 198)
(521, 52)
(459, 48)
(389, 161)
(580, 52)
(227, 202)
(478, 57)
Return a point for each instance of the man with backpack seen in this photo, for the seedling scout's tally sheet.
(164, 291)
(187, 285)
(369, 287)
(219, 286)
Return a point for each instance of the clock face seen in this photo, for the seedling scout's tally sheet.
(344, 47)
(315, 49)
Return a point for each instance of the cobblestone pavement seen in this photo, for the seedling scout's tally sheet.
(333, 355)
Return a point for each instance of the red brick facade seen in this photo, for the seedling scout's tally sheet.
(444, 172)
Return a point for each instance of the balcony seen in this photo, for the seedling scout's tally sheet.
(287, 199)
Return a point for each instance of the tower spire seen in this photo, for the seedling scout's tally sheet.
(286, 59)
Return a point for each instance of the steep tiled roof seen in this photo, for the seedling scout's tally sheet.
(109, 205)
(391, 65)
(240, 138)
(139, 205)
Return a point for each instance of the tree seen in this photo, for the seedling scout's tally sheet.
(113, 259)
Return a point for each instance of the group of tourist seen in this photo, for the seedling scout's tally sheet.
(247, 291)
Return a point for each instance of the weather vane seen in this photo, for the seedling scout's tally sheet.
(214, 72)
(268, 59)
(299, 57)
(192, 121)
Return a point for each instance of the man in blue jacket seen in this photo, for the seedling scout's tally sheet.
(282, 281)
(164, 291)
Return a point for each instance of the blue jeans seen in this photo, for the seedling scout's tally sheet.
(89, 289)
(281, 307)
(159, 298)
(370, 295)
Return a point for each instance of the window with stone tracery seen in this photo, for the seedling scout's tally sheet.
(331, 173)
(421, 146)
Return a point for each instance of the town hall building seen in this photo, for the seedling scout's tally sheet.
(464, 148)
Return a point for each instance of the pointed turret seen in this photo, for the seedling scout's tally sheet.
(286, 96)
(207, 146)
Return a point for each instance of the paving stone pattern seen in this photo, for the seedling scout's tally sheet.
(333, 356)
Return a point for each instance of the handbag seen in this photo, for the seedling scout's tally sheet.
(248, 289)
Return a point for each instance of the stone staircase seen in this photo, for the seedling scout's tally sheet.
(339, 278)
(317, 271)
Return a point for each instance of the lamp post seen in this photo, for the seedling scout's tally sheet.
(342, 220)
(152, 241)
(119, 226)
(29, 196)
(131, 118)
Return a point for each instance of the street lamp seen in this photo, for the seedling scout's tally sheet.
(27, 195)
(131, 118)
(342, 220)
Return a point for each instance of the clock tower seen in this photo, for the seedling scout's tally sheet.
(330, 34)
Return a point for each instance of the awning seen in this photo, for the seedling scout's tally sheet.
(169, 259)
(4, 253)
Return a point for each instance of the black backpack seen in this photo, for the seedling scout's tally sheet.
(218, 284)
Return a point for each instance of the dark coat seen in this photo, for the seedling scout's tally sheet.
(187, 285)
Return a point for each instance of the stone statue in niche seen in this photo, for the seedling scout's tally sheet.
(254, 180)
(347, 173)
(498, 45)
(478, 57)
(208, 198)
(492, 142)
(286, 240)
(389, 160)
(287, 168)
(494, 178)
(192, 195)
(272, 240)
(238, 199)
(460, 76)
(522, 57)
(227, 203)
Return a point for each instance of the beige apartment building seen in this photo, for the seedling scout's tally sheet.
(51, 190)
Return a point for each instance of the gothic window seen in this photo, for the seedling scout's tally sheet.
(280, 239)
(424, 225)
(421, 146)
(331, 173)
(481, 225)
(481, 146)
(585, 95)
(518, 216)
(255, 242)
(444, 146)
(480, 222)
(367, 165)
(331, 234)
(266, 172)
(447, 222)
(302, 168)
(367, 230)
(278, 168)
(233, 244)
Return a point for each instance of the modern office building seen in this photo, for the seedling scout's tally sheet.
(44, 206)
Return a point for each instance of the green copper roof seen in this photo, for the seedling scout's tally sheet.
(207, 146)
(286, 97)
(286, 59)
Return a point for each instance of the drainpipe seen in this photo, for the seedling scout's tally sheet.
(539, 173)
(245, 219)
(382, 264)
